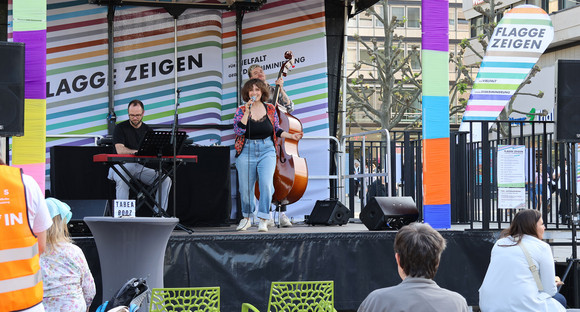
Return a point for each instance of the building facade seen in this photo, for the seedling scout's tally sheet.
(367, 28)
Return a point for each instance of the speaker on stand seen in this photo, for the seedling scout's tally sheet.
(389, 213)
(328, 212)
(11, 89)
(568, 101)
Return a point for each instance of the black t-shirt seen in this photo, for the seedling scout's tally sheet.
(259, 129)
(129, 136)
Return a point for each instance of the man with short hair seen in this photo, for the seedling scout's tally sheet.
(284, 102)
(418, 249)
(24, 219)
(126, 137)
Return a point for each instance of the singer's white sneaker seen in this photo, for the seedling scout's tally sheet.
(263, 226)
(244, 224)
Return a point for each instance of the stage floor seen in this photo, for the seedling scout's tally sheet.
(245, 263)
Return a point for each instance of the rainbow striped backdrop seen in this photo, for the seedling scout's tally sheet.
(76, 66)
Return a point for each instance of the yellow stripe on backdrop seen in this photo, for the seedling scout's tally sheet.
(32, 146)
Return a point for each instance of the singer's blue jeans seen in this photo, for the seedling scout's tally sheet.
(257, 161)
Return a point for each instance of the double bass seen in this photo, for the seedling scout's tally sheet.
(291, 174)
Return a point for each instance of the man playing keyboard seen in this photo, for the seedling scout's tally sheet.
(126, 138)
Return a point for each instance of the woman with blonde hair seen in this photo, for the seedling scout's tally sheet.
(68, 282)
(521, 274)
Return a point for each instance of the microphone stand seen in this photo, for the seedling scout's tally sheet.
(173, 142)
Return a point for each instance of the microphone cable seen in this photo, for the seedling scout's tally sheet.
(253, 98)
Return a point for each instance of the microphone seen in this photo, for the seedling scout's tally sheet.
(253, 98)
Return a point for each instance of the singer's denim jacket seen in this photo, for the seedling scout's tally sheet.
(240, 128)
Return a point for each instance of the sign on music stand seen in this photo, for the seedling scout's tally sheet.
(158, 143)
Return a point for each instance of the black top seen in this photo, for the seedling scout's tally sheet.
(258, 130)
(129, 136)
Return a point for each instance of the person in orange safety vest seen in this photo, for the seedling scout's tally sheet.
(24, 218)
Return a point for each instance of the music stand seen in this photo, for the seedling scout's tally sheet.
(158, 143)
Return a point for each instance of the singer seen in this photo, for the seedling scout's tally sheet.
(256, 128)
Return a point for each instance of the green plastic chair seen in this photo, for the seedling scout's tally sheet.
(193, 299)
(299, 297)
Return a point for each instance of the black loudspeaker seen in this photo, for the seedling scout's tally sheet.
(82, 208)
(328, 212)
(12, 88)
(568, 100)
(389, 213)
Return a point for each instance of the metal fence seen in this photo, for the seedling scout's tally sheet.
(474, 187)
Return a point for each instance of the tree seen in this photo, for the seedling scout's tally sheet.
(396, 86)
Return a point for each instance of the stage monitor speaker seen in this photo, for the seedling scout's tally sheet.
(82, 208)
(389, 213)
(567, 101)
(328, 212)
(11, 88)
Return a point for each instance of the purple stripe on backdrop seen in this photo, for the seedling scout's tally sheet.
(228, 137)
(81, 142)
(35, 60)
(490, 97)
(310, 108)
(435, 25)
(195, 118)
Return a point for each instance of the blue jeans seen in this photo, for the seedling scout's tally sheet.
(256, 162)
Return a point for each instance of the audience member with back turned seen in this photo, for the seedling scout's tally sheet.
(126, 137)
(510, 284)
(418, 249)
(24, 219)
(68, 282)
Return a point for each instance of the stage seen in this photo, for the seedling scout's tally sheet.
(244, 264)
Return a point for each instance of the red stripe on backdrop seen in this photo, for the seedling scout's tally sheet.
(285, 22)
(92, 22)
(103, 20)
(166, 30)
(75, 46)
(266, 6)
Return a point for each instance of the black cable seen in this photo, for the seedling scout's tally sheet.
(249, 151)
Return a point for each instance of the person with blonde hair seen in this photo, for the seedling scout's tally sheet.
(68, 282)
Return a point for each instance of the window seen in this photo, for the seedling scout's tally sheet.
(414, 17)
(569, 4)
(379, 10)
(364, 55)
(477, 24)
(398, 12)
(451, 18)
(365, 20)
(415, 58)
(352, 22)
(552, 6)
